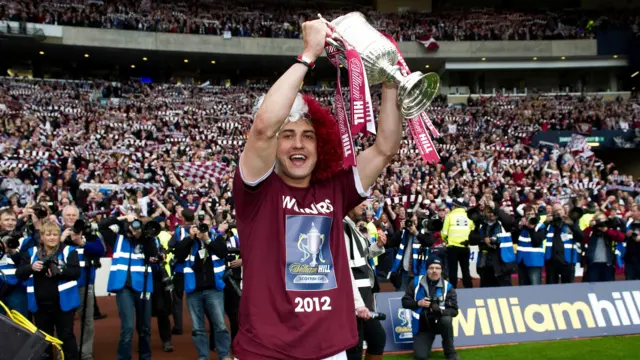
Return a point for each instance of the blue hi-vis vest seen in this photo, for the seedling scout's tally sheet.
(420, 294)
(68, 290)
(128, 259)
(189, 276)
(621, 247)
(571, 248)
(415, 250)
(8, 267)
(527, 254)
(507, 254)
(180, 233)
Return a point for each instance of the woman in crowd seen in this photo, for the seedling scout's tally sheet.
(51, 271)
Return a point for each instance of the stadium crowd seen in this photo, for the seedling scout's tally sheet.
(277, 20)
(167, 153)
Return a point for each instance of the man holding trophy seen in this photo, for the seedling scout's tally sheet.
(292, 189)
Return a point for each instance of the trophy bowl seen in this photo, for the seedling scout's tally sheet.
(380, 59)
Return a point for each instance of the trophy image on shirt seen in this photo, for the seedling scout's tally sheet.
(313, 246)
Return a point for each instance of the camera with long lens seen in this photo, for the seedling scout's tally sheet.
(11, 239)
(167, 281)
(532, 221)
(50, 262)
(203, 228)
(229, 275)
(150, 230)
(40, 212)
(599, 224)
(201, 216)
(435, 301)
(408, 223)
(493, 241)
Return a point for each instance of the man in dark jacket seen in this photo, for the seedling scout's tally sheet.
(600, 239)
(435, 302)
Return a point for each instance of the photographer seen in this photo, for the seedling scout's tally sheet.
(234, 266)
(404, 267)
(90, 248)
(600, 238)
(361, 253)
(203, 263)
(50, 273)
(435, 302)
(530, 255)
(134, 250)
(496, 258)
(180, 233)
(632, 252)
(563, 247)
(12, 293)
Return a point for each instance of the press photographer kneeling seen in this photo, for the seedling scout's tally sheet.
(50, 272)
(434, 300)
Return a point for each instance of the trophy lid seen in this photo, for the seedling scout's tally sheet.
(313, 230)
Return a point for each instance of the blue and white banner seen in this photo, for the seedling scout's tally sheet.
(526, 313)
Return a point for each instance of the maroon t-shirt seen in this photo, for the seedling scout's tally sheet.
(297, 298)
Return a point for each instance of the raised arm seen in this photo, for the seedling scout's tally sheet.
(259, 153)
(373, 160)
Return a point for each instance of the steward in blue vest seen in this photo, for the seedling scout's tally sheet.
(563, 247)
(496, 257)
(50, 273)
(130, 278)
(12, 291)
(204, 259)
(531, 239)
(434, 304)
(407, 264)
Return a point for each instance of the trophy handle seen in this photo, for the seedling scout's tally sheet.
(334, 34)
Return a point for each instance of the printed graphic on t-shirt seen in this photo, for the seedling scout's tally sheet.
(309, 262)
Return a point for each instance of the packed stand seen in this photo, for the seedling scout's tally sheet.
(280, 21)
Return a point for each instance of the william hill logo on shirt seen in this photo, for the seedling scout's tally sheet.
(309, 260)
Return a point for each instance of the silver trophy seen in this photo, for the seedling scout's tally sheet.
(313, 245)
(380, 59)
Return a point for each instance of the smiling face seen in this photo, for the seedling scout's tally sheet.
(297, 153)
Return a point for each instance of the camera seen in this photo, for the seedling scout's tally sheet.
(40, 212)
(408, 223)
(51, 262)
(493, 241)
(11, 239)
(201, 216)
(435, 303)
(167, 281)
(602, 224)
(203, 228)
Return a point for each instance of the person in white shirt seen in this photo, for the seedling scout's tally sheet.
(361, 251)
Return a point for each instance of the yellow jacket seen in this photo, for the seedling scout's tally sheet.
(456, 228)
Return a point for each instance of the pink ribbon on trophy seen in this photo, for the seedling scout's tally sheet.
(361, 108)
(417, 124)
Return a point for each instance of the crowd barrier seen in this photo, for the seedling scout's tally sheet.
(490, 316)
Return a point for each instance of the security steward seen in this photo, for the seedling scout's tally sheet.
(531, 247)
(455, 233)
(589, 213)
(496, 258)
(361, 254)
(434, 303)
